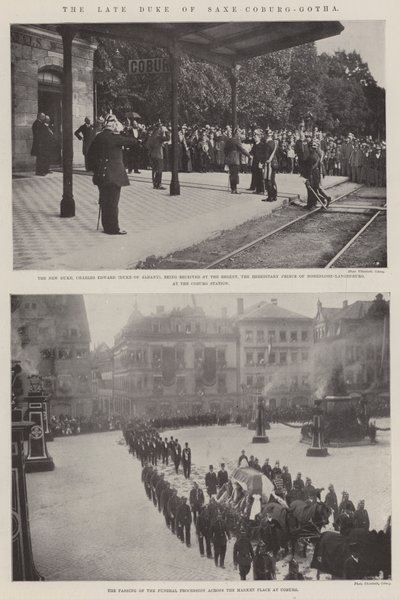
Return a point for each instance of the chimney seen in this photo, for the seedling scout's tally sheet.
(345, 304)
(224, 312)
(240, 305)
(159, 309)
(274, 301)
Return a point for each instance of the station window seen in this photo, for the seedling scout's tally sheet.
(293, 336)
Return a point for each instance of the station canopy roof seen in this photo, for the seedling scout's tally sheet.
(225, 44)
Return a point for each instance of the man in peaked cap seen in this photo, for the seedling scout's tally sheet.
(104, 158)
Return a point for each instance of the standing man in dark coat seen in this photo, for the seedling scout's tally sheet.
(331, 501)
(211, 482)
(258, 153)
(219, 537)
(177, 455)
(233, 149)
(185, 520)
(222, 476)
(196, 500)
(203, 531)
(313, 182)
(186, 460)
(105, 160)
(86, 134)
(243, 554)
(39, 145)
(154, 145)
(271, 167)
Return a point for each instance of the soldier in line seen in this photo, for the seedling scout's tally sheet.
(243, 554)
(203, 531)
(196, 500)
(184, 518)
(186, 460)
(219, 537)
(211, 482)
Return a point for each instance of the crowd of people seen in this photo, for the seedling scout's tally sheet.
(64, 425)
(220, 508)
(112, 149)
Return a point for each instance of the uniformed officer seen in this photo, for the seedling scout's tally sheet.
(104, 158)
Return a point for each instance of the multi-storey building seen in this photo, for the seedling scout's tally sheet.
(177, 362)
(275, 355)
(50, 337)
(355, 338)
(102, 363)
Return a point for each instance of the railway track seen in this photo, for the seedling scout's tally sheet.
(352, 213)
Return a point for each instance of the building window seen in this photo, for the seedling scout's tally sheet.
(293, 357)
(272, 358)
(43, 331)
(64, 354)
(260, 359)
(156, 327)
(304, 356)
(283, 357)
(221, 383)
(249, 359)
(293, 336)
(304, 335)
(349, 354)
(271, 336)
(188, 328)
(81, 354)
(180, 385)
(282, 336)
(221, 358)
(260, 381)
(260, 336)
(294, 385)
(157, 385)
(156, 358)
(180, 357)
(249, 336)
(197, 327)
(249, 381)
(305, 381)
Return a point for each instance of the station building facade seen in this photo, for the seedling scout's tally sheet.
(50, 338)
(37, 86)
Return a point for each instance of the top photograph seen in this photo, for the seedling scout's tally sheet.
(199, 145)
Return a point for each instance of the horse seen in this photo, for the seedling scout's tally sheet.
(354, 556)
(302, 521)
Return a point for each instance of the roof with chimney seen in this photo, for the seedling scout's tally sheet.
(355, 311)
(269, 311)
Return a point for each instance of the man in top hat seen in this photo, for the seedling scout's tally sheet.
(211, 482)
(222, 476)
(186, 460)
(105, 160)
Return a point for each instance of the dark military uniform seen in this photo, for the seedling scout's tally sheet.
(105, 160)
(243, 555)
(219, 536)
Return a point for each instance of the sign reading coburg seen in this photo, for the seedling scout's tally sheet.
(146, 66)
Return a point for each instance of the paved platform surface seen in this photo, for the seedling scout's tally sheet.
(157, 223)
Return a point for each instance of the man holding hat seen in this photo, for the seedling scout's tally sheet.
(105, 160)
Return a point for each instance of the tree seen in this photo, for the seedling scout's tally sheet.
(305, 85)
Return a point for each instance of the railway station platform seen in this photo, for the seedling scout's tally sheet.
(157, 223)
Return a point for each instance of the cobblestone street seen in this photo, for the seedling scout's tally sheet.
(91, 520)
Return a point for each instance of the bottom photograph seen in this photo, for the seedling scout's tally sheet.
(201, 437)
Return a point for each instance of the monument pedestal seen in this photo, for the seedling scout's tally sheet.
(317, 449)
(23, 567)
(38, 459)
(260, 436)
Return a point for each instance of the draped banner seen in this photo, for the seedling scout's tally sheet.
(210, 366)
(168, 365)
